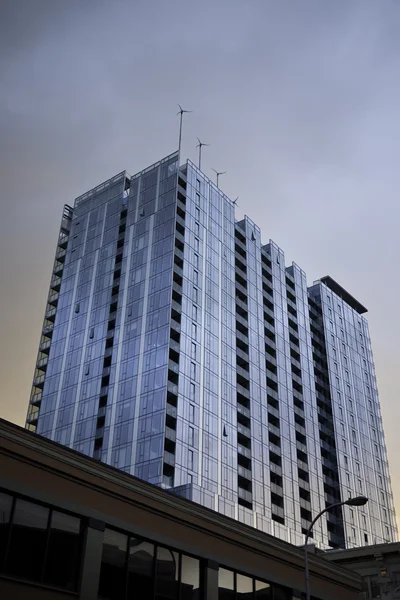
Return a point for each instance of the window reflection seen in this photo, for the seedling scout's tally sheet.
(244, 586)
(28, 541)
(63, 552)
(190, 578)
(167, 574)
(113, 565)
(140, 569)
(226, 585)
(262, 590)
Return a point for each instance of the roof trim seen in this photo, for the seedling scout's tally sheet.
(343, 294)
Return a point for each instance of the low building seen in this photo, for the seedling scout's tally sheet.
(378, 565)
(71, 526)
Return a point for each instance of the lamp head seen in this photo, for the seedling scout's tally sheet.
(357, 501)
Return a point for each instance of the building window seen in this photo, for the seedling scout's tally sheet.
(195, 277)
(44, 544)
(198, 199)
(193, 350)
(130, 564)
(195, 299)
(194, 331)
(191, 413)
(196, 244)
(190, 460)
(191, 436)
(196, 228)
(194, 312)
(196, 260)
(192, 370)
(198, 185)
(197, 213)
(192, 391)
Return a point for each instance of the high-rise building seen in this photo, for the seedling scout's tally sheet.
(180, 349)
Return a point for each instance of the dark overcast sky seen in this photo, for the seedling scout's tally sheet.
(299, 100)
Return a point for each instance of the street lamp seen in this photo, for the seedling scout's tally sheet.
(357, 501)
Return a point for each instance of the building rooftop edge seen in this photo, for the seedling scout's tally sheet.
(342, 293)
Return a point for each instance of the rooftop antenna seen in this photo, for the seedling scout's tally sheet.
(180, 112)
(218, 173)
(234, 202)
(199, 146)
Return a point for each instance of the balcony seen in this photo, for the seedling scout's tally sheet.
(51, 313)
(243, 410)
(244, 495)
(36, 399)
(276, 489)
(243, 373)
(60, 255)
(244, 430)
(172, 388)
(53, 299)
(58, 269)
(277, 511)
(175, 325)
(179, 253)
(45, 346)
(243, 472)
(101, 412)
(42, 363)
(274, 448)
(39, 381)
(244, 451)
(275, 468)
(169, 458)
(178, 270)
(275, 430)
(32, 419)
(174, 345)
(170, 434)
(173, 366)
(55, 284)
(242, 390)
(273, 411)
(304, 484)
(171, 410)
(99, 433)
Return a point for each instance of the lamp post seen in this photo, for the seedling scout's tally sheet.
(357, 501)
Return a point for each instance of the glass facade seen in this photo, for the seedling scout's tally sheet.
(179, 348)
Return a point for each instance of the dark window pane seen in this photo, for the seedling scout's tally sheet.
(190, 578)
(140, 569)
(281, 593)
(263, 590)
(63, 554)
(5, 513)
(113, 565)
(226, 587)
(167, 573)
(28, 541)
